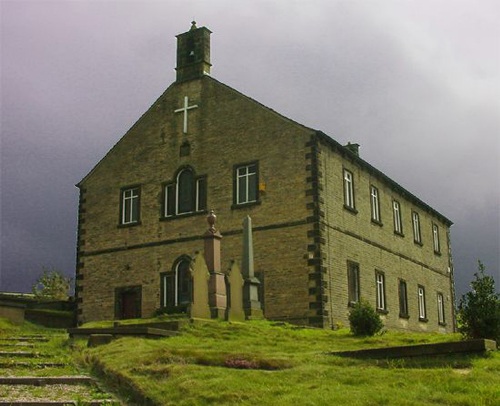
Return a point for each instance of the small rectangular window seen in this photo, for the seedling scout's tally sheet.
(440, 303)
(398, 224)
(246, 182)
(422, 314)
(349, 190)
(380, 286)
(130, 199)
(375, 204)
(417, 236)
(403, 299)
(435, 236)
(353, 282)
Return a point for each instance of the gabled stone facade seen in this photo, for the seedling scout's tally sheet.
(202, 145)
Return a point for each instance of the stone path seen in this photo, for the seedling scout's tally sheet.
(37, 370)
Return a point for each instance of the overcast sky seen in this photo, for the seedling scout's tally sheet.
(416, 83)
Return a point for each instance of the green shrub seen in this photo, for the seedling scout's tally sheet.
(364, 320)
(479, 310)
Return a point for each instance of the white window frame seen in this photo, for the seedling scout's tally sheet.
(440, 304)
(403, 299)
(174, 189)
(375, 203)
(354, 291)
(349, 190)
(380, 290)
(177, 191)
(398, 224)
(435, 238)
(417, 236)
(164, 282)
(130, 199)
(197, 194)
(422, 313)
(244, 172)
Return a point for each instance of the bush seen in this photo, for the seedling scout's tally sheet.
(479, 310)
(364, 320)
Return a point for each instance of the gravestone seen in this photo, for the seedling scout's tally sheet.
(251, 303)
(199, 307)
(235, 281)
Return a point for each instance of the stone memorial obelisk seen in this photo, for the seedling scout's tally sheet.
(217, 299)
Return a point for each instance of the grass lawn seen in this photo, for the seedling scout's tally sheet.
(261, 363)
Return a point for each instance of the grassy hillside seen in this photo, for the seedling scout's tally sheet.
(261, 363)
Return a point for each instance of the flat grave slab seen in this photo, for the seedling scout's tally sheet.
(123, 331)
(456, 347)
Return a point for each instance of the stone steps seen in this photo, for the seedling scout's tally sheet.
(58, 403)
(67, 389)
(35, 338)
(46, 380)
(22, 364)
(24, 354)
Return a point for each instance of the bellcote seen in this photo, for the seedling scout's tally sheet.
(193, 53)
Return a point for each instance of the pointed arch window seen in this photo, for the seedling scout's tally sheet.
(177, 286)
(187, 194)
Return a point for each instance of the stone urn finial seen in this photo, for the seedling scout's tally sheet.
(211, 221)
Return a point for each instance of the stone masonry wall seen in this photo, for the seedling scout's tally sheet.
(303, 235)
(352, 236)
(225, 129)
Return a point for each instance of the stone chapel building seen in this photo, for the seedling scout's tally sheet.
(328, 228)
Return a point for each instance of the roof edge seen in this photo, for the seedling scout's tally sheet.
(364, 164)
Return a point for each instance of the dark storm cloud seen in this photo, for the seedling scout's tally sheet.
(415, 83)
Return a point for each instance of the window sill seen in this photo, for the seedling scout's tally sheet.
(377, 223)
(423, 320)
(183, 215)
(352, 303)
(137, 223)
(397, 233)
(236, 206)
(419, 243)
(442, 324)
(350, 209)
(382, 311)
(404, 316)
(171, 309)
(437, 253)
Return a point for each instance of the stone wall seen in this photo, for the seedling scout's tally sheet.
(226, 129)
(353, 236)
(303, 235)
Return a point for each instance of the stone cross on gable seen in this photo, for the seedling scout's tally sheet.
(185, 110)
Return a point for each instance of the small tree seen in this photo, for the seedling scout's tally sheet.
(479, 310)
(52, 284)
(364, 320)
